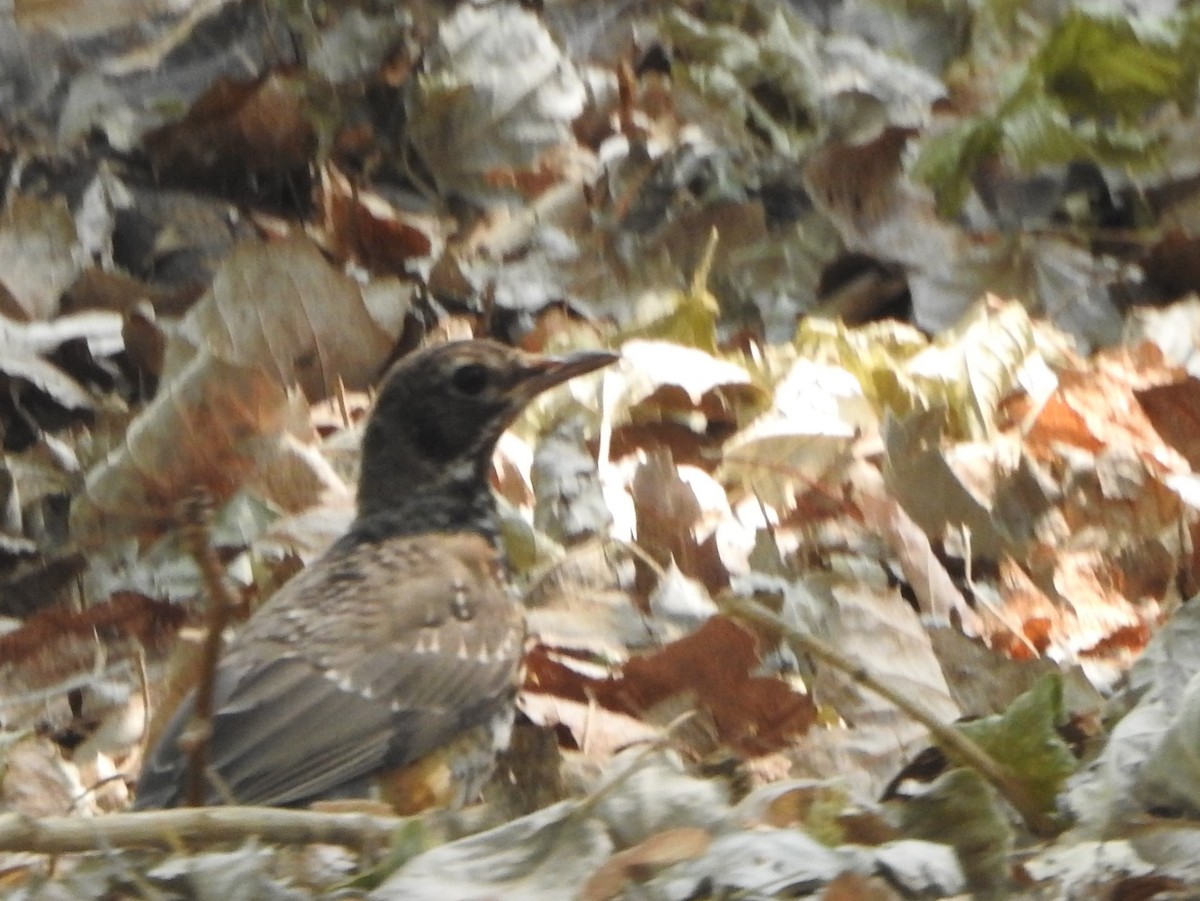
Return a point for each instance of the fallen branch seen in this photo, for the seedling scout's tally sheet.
(197, 517)
(956, 745)
(170, 829)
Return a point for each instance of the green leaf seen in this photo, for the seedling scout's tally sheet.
(1024, 739)
(959, 809)
(946, 162)
(1101, 66)
(1083, 96)
(1040, 132)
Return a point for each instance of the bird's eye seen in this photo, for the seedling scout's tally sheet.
(470, 379)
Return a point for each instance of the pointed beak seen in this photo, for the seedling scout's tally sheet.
(542, 373)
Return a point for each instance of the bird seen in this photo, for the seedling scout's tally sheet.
(388, 668)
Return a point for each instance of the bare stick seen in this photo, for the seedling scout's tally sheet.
(956, 745)
(197, 514)
(170, 829)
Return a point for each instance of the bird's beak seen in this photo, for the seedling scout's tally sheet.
(543, 373)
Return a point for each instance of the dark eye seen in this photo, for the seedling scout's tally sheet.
(470, 379)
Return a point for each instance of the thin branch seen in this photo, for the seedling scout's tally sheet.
(147, 710)
(170, 829)
(197, 515)
(956, 745)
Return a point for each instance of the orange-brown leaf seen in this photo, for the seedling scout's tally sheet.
(713, 665)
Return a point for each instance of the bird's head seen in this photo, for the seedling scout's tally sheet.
(440, 412)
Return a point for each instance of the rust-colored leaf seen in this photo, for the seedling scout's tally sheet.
(1174, 411)
(243, 127)
(125, 616)
(360, 225)
(1174, 262)
(57, 650)
(1099, 406)
(713, 665)
(668, 516)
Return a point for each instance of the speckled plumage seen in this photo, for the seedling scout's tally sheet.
(403, 641)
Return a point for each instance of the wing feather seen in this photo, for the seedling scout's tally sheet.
(300, 720)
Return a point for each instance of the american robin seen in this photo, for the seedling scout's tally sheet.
(388, 667)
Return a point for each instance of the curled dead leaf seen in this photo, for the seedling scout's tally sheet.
(206, 429)
(638, 863)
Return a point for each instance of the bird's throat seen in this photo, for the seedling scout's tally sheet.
(459, 498)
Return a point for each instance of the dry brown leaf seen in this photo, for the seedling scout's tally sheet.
(38, 647)
(936, 592)
(668, 517)
(1082, 615)
(99, 289)
(596, 731)
(1105, 627)
(1115, 498)
(1058, 423)
(670, 396)
(145, 343)
(39, 254)
(236, 129)
(59, 651)
(207, 429)
(1174, 411)
(643, 860)
(753, 714)
(543, 172)
(280, 306)
(360, 225)
(666, 378)
(1028, 622)
(37, 781)
(276, 314)
(1099, 407)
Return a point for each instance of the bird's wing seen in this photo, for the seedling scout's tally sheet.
(353, 670)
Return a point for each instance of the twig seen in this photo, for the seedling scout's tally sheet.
(342, 403)
(586, 805)
(956, 745)
(144, 685)
(169, 829)
(197, 514)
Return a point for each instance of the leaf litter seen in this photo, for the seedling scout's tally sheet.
(980, 486)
